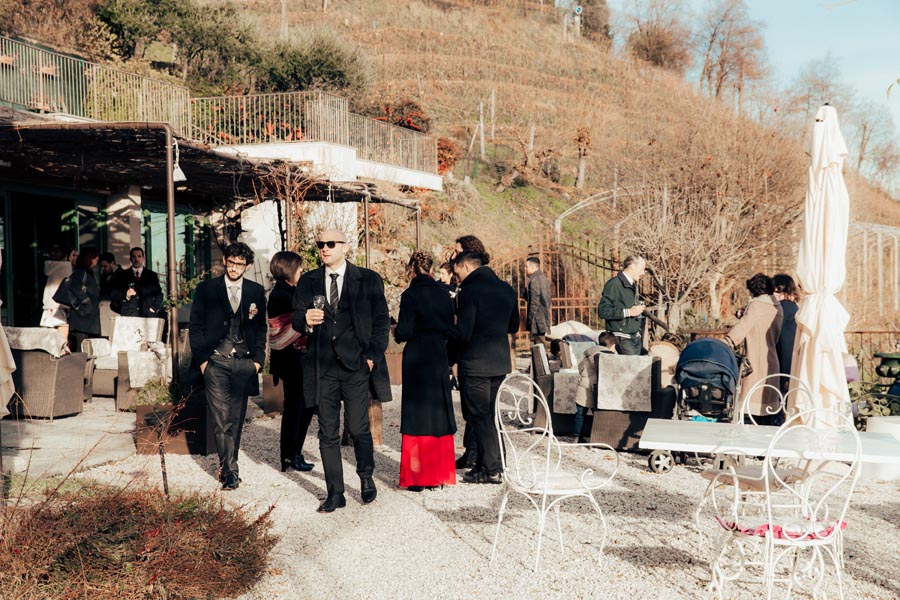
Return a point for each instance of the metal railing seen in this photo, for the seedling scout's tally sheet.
(864, 344)
(41, 80)
(45, 81)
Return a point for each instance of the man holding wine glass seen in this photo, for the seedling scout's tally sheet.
(343, 310)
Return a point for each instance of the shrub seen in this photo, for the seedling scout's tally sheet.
(322, 63)
(102, 542)
(448, 153)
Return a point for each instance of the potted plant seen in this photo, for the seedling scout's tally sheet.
(273, 395)
(181, 427)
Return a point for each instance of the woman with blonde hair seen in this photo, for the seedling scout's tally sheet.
(427, 422)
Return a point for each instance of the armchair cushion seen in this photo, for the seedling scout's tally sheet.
(37, 338)
(623, 382)
(799, 530)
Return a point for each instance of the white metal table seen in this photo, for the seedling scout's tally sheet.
(753, 440)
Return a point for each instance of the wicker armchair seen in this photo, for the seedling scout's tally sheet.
(128, 334)
(47, 387)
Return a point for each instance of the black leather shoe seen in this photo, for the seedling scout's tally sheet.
(490, 478)
(415, 488)
(231, 482)
(367, 490)
(298, 464)
(473, 476)
(331, 503)
(222, 478)
(466, 461)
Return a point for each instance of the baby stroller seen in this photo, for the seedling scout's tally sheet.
(706, 377)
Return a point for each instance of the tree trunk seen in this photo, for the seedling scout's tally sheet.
(582, 164)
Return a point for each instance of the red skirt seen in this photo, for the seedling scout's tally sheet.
(427, 460)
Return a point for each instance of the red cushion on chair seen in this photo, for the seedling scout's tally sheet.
(782, 532)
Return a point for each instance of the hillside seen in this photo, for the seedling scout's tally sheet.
(554, 102)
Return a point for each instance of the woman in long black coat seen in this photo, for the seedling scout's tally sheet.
(427, 422)
(84, 315)
(284, 360)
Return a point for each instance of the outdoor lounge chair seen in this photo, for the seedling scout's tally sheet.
(49, 383)
(129, 334)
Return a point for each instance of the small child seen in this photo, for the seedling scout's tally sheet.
(606, 343)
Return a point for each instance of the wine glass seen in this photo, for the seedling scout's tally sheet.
(319, 302)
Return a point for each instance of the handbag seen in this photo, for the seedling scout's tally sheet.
(744, 365)
(65, 295)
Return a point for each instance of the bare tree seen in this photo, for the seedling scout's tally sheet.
(731, 48)
(659, 33)
(817, 83)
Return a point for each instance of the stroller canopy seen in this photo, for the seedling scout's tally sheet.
(709, 361)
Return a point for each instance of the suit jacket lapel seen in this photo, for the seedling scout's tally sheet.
(222, 293)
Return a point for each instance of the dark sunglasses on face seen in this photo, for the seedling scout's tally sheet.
(330, 244)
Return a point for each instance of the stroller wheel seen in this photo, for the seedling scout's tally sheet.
(661, 461)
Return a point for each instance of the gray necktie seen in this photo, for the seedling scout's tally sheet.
(333, 291)
(235, 297)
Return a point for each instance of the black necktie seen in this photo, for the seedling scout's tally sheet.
(333, 291)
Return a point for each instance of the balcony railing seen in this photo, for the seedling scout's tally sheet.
(45, 81)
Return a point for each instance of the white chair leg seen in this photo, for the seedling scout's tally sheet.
(558, 527)
(499, 521)
(603, 522)
(542, 520)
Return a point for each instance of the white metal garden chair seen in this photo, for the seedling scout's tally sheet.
(744, 471)
(533, 462)
(798, 535)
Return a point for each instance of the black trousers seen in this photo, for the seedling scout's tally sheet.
(351, 387)
(227, 380)
(630, 346)
(295, 419)
(479, 396)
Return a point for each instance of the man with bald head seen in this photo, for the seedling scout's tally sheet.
(347, 340)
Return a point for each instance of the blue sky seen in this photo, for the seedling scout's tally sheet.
(863, 35)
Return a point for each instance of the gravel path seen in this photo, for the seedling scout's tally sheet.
(436, 544)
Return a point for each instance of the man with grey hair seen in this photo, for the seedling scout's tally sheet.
(620, 306)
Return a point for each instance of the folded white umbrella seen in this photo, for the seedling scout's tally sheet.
(820, 346)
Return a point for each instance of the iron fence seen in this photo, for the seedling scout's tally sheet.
(41, 80)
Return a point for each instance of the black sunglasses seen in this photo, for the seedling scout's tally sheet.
(330, 244)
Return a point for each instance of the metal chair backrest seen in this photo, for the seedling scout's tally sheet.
(772, 385)
(825, 446)
(525, 449)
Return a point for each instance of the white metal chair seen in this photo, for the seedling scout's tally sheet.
(743, 471)
(532, 460)
(798, 535)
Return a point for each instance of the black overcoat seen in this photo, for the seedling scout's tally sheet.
(426, 316)
(487, 311)
(371, 322)
(86, 291)
(284, 363)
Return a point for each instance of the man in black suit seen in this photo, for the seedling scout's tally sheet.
(487, 312)
(136, 291)
(109, 272)
(228, 341)
(347, 340)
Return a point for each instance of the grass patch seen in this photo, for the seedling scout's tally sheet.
(102, 542)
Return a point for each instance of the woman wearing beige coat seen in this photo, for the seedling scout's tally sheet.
(760, 326)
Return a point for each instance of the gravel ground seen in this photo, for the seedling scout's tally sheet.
(436, 544)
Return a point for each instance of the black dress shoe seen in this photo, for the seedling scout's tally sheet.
(466, 461)
(367, 490)
(231, 482)
(490, 478)
(415, 488)
(473, 476)
(222, 478)
(298, 464)
(331, 503)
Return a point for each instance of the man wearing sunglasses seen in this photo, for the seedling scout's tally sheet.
(347, 339)
(228, 341)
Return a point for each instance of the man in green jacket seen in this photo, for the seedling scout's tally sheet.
(620, 306)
